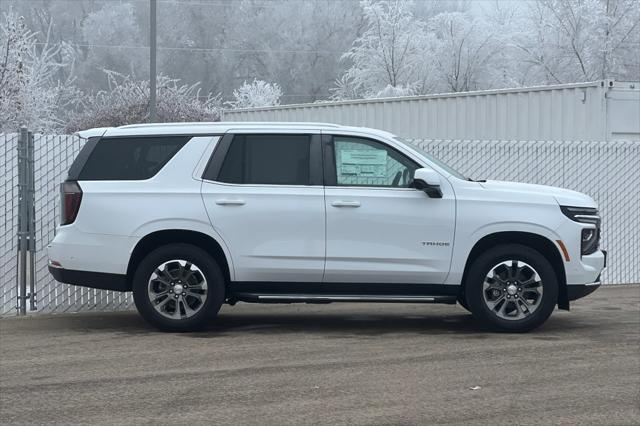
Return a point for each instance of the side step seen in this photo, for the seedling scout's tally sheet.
(329, 298)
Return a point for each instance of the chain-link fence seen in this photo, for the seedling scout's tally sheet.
(8, 222)
(53, 155)
(608, 171)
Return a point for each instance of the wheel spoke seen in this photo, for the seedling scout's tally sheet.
(157, 296)
(493, 285)
(162, 277)
(513, 271)
(492, 304)
(187, 309)
(193, 294)
(161, 304)
(176, 313)
(503, 308)
(184, 270)
(497, 277)
(188, 276)
(526, 305)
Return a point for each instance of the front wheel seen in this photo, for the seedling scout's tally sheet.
(178, 287)
(512, 287)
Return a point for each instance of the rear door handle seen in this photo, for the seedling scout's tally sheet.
(346, 204)
(226, 202)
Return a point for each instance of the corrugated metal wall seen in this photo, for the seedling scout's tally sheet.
(603, 110)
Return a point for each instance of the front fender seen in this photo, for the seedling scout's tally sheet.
(465, 243)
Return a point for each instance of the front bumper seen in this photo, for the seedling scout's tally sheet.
(578, 291)
(585, 269)
(575, 292)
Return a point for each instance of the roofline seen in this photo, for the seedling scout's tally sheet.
(598, 83)
(208, 128)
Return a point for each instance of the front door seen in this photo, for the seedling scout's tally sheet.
(379, 230)
(264, 197)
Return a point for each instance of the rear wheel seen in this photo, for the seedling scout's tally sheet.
(462, 301)
(512, 287)
(178, 287)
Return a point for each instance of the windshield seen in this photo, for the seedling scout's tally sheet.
(430, 157)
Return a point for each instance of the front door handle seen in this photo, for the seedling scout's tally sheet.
(226, 202)
(346, 204)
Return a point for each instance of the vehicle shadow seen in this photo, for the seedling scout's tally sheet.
(343, 323)
(333, 324)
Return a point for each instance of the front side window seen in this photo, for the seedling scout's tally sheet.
(364, 162)
(267, 159)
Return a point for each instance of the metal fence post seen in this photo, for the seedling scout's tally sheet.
(31, 204)
(22, 222)
(26, 222)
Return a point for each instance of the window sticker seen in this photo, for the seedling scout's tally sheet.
(370, 163)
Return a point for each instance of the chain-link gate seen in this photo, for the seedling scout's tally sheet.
(52, 157)
(608, 171)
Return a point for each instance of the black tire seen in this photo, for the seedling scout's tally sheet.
(209, 268)
(483, 265)
(462, 301)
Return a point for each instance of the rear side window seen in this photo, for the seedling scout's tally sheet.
(135, 158)
(267, 159)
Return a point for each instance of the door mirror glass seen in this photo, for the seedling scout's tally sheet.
(427, 180)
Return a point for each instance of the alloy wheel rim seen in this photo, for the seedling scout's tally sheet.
(177, 289)
(512, 290)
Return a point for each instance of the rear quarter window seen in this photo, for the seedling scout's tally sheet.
(135, 158)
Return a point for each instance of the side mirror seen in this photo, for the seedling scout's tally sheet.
(427, 180)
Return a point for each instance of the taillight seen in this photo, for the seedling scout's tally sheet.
(70, 204)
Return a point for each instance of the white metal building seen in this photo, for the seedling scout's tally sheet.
(597, 111)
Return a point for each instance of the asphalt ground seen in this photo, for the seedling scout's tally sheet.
(327, 364)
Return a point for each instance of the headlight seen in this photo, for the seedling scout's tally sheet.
(590, 237)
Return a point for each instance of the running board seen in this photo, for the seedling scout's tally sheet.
(329, 298)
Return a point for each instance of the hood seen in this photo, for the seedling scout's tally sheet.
(564, 197)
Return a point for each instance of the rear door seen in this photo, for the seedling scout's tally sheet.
(264, 196)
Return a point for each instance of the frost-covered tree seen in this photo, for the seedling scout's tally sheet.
(464, 51)
(29, 93)
(127, 102)
(394, 50)
(346, 88)
(256, 94)
(395, 91)
(582, 40)
(109, 36)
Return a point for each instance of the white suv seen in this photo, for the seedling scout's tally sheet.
(189, 216)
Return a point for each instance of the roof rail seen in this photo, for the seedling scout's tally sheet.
(226, 123)
(198, 123)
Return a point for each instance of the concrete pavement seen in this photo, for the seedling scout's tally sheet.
(327, 364)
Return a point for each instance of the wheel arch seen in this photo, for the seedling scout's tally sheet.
(157, 239)
(542, 244)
